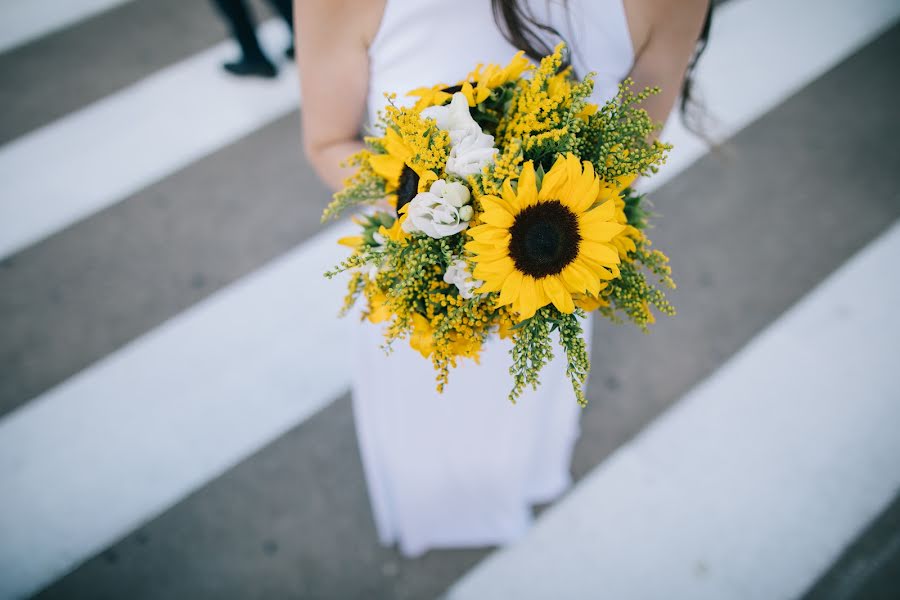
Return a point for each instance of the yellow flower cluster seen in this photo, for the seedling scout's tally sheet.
(428, 145)
(535, 114)
(507, 165)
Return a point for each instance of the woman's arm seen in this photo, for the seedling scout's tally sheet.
(665, 34)
(332, 37)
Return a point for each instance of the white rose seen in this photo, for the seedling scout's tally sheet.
(454, 117)
(458, 274)
(453, 193)
(471, 155)
(439, 212)
(470, 148)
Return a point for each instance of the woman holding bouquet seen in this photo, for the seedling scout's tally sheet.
(463, 468)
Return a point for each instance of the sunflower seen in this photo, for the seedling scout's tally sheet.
(435, 95)
(404, 177)
(541, 244)
(477, 85)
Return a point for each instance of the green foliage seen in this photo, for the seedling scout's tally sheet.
(640, 286)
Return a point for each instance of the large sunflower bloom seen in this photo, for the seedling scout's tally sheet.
(403, 177)
(538, 246)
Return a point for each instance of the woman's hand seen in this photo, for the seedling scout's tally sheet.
(332, 39)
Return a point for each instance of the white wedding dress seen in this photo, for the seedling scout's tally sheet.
(463, 468)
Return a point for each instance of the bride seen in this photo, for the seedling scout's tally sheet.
(463, 468)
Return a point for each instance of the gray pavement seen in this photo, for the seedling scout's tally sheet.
(56, 74)
(870, 568)
(749, 231)
(84, 292)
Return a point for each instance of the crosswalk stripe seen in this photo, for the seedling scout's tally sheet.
(792, 42)
(183, 403)
(751, 486)
(24, 20)
(218, 333)
(101, 154)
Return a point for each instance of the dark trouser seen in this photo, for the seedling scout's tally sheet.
(238, 15)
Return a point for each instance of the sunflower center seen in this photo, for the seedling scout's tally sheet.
(544, 239)
(407, 186)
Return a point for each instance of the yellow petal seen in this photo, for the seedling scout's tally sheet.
(351, 241)
(393, 143)
(573, 168)
(509, 195)
(557, 294)
(542, 298)
(527, 190)
(493, 269)
(527, 303)
(595, 217)
(584, 189)
(426, 178)
(511, 287)
(574, 279)
(554, 180)
(602, 253)
(468, 92)
(625, 181)
(491, 285)
(606, 211)
(497, 218)
(494, 235)
(387, 166)
(591, 275)
(601, 232)
(482, 248)
(495, 203)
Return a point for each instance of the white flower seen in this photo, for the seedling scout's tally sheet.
(470, 148)
(458, 274)
(453, 193)
(441, 211)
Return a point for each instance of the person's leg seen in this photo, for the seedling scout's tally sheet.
(253, 60)
(286, 9)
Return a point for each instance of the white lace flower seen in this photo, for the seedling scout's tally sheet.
(459, 275)
(441, 211)
(470, 148)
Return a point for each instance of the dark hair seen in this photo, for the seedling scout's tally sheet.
(522, 30)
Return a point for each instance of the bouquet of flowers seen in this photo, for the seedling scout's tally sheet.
(501, 206)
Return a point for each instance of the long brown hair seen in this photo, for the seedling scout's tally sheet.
(519, 26)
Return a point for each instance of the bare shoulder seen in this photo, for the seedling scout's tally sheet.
(340, 21)
(664, 20)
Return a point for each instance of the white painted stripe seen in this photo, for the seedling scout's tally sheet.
(105, 152)
(92, 459)
(24, 20)
(751, 486)
(761, 52)
(141, 408)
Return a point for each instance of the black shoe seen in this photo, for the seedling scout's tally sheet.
(290, 52)
(255, 67)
